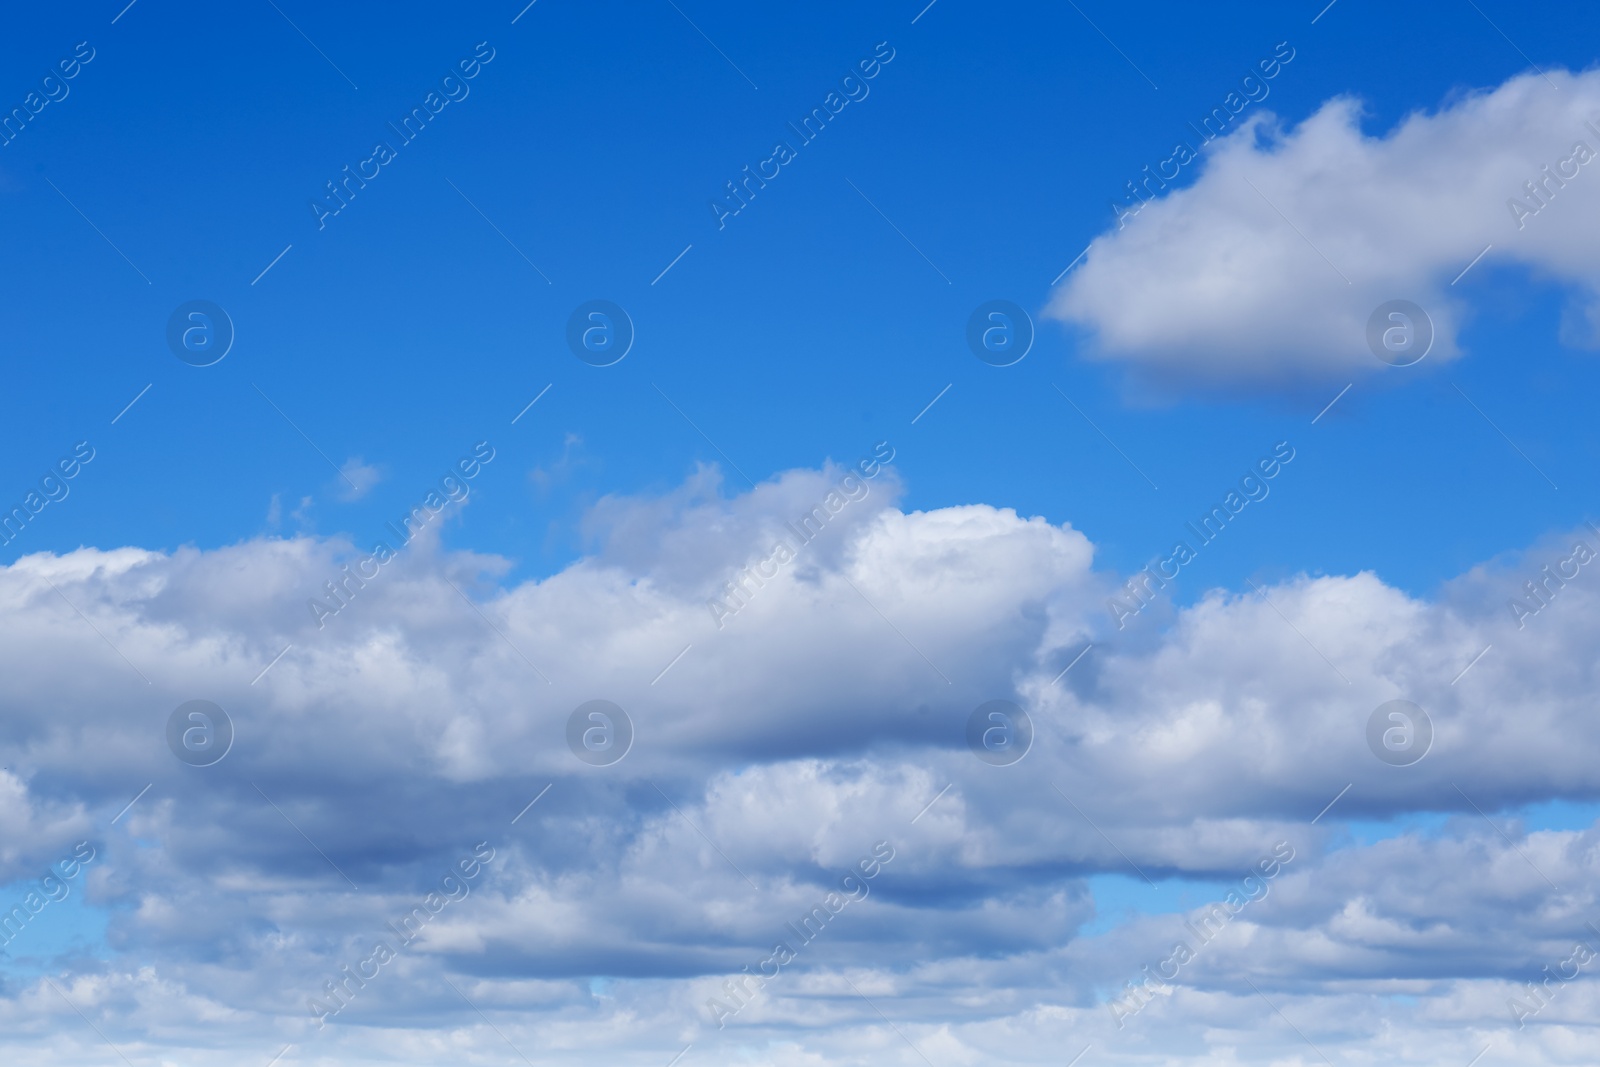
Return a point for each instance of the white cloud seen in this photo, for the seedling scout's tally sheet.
(821, 719)
(357, 477)
(1264, 272)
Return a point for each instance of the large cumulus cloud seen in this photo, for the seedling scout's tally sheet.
(825, 716)
(1263, 273)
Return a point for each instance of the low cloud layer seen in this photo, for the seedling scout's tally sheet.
(774, 750)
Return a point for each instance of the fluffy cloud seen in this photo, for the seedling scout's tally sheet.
(1264, 272)
(825, 717)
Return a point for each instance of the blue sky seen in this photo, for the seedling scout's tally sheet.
(426, 322)
(806, 329)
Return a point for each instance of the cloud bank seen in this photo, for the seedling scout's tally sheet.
(405, 770)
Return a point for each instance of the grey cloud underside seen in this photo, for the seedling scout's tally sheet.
(780, 749)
